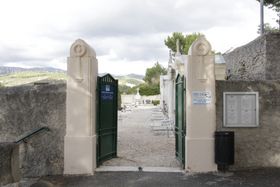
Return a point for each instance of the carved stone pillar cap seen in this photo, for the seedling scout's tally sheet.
(81, 49)
(200, 47)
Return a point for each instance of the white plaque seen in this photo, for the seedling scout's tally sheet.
(241, 109)
(201, 97)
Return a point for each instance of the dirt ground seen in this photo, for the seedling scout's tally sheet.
(139, 145)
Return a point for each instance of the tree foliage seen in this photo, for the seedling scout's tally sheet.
(268, 29)
(275, 5)
(127, 90)
(152, 74)
(271, 3)
(149, 89)
(119, 100)
(144, 89)
(184, 40)
(152, 80)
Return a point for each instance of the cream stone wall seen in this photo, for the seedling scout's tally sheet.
(220, 71)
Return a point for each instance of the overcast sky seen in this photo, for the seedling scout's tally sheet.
(127, 35)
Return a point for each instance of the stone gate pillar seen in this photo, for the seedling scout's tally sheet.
(80, 138)
(171, 94)
(200, 107)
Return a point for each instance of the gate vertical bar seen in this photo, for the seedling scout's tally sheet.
(180, 119)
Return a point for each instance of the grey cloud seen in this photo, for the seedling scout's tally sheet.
(147, 17)
(134, 24)
(133, 48)
(142, 18)
(13, 54)
(20, 55)
(134, 30)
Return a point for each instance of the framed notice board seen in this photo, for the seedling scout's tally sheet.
(241, 109)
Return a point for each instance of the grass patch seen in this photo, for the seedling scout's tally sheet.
(28, 77)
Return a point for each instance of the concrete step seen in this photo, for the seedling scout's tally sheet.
(140, 168)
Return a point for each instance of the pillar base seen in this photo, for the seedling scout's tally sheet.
(200, 155)
(79, 155)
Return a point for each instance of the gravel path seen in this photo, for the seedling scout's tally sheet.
(138, 145)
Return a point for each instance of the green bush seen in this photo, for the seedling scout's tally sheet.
(149, 89)
(119, 100)
(127, 90)
(155, 102)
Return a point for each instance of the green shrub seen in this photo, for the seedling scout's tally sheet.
(149, 89)
(119, 100)
(127, 90)
(155, 102)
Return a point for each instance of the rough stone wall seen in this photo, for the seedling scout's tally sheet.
(260, 146)
(25, 108)
(9, 168)
(257, 60)
(273, 56)
(247, 62)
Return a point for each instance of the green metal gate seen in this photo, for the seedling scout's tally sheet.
(107, 118)
(180, 119)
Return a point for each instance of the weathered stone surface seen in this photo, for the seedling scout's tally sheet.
(80, 138)
(25, 108)
(9, 168)
(257, 60)
(200, 118)
(220, 71)
(260, 146)
(272, 56)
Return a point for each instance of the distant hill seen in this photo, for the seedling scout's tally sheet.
(131, 75)
(29, 77)
(13, 76)
(9, 70)
(136, 76)
(128, 80)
